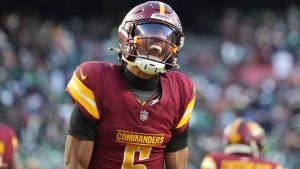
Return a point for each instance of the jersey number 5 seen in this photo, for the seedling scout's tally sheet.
(130, 153)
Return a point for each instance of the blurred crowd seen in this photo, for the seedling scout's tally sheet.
(250, 69)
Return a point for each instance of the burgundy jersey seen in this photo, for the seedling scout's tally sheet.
(8, 143)
(130, 134)
(220, 160)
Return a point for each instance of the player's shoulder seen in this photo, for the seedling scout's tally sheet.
(274, 164)
(95, 69)
(7, 129)
(176, 75)
(95, 65)
(219, 156)
(180, 78)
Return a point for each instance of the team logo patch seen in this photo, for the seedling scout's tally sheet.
(144, 115)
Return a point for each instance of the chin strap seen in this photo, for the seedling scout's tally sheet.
(147, 66)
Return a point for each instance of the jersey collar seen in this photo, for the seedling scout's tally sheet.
(141, 84)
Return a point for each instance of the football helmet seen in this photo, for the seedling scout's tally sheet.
(150, 37)
(243, 136)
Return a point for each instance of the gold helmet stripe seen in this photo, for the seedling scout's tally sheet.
(161, 8)
(234, 135)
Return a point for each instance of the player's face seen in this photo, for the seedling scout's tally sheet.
(156, 41)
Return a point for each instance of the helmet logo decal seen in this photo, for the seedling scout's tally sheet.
(144, 115)
(140, 17)
(161, 17)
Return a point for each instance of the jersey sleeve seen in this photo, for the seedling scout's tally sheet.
(81, 91)
(187, 101)
(208, 163)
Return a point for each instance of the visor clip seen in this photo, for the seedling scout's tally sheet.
(137, 40)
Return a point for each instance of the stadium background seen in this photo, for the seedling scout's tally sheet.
(242, 55)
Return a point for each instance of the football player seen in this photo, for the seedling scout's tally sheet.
(8, 148)
(243, 148)
(134, 115)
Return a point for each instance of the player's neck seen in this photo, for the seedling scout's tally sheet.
(141, 84)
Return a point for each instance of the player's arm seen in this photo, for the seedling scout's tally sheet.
(177, 160)
(177, 151)
(83, 120)
(78, 153)
(80, 141)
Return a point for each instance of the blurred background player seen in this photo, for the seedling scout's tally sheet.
(243, 148)
(133, 115)
(8, 148)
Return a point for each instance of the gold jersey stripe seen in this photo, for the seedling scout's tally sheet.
(187, 113)
(85, 90)
(78, 96)
(161, 8)
(83, 95)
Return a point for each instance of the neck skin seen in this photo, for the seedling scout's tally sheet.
(137, 72)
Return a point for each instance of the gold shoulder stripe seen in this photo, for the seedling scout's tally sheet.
(85, 90)
(208, 163)
(83, 95)
(161, 8)
(187, 113)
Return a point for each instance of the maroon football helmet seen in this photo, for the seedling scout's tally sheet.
(242, 134)
(150, 37)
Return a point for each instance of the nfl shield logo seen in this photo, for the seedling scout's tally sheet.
(143, 115)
